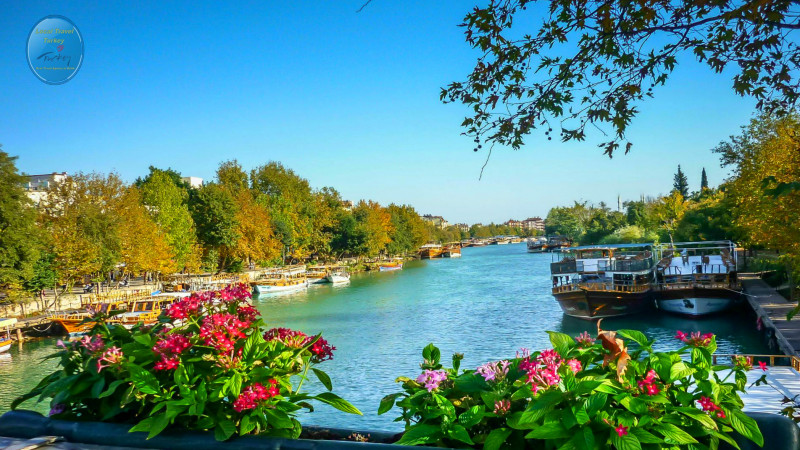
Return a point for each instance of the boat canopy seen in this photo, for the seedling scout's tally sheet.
(7, 322)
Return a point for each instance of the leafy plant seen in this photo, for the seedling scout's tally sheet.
(207, 365)
(585, 393)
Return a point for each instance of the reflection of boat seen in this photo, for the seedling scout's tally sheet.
(451, 251)
(697, 278)
(430, 251)
(5, 334)
(338, 276)
(604, 280)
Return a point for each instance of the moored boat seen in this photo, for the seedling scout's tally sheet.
(597, 281)
(75, 323)
(316, 275)
(697, 278)
(537, 244)
(430, 251)
(283, 284)
(144, 311)
(452, 251)
(338, 277)
(390, 266)
(5, 333)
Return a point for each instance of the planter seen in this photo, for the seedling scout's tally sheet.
(780, 433)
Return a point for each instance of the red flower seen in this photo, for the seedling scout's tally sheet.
(621, 430)
(253, 395)
(763, 366)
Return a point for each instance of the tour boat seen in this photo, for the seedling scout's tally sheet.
(390, 266)
(5, 334)
(451, 251)
(338, 276)
(144, 311)
(283, 284)
(430, 251)
(537, 244)
(597, 281)
(75, 323)
(697, 278)
(316, 275)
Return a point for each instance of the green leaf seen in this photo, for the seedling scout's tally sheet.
(143, 339)
(679, 370)
(224, 430)
(746, 426)
(387, 402)
(111, 388)
(431, 353)
(634, 404)
(236, 384)
(459, 433)
(470, 383)
(144, 381)
(278, 418)
(583, 439)
(645, 436)
(674, 435)
(595, 403)
(421, 434)
(699, 416)
(246, 425)
(472, 416)
(562, 343)
(97, 387)
(551, 430)
(144, 425)
(626, 442)
(323, 378)
(546, 399)
(157, 425)
(635, 336)
(337, 402)
(496, 438)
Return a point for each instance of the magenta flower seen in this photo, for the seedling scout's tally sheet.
(696, 339)
(574, 365)
(493, 371)
(111, 357)
(621, 430)
(584, 340)
(763, 366)
(432, 379)
(501, 407)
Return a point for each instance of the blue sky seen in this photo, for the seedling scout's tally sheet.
(346, 100)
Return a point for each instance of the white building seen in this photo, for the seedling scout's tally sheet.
(37, 185)
(194, 182)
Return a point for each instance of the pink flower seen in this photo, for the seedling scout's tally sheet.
(574, 365)
(584, 340)
(696, 339)
(549, 357)
(170, 349)
(621, 430)
(254, 395)
(502, 407)
(493, 371)
(523, 353)
(93, 344)
(680, 335)
(710, 407)
(763, 366)
(432, 379)
(321, 350)
(111, 357)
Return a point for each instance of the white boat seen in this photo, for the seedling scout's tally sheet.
(338, 277)
(5, 335)
(537, 244)
(281, 285)
(697, 278)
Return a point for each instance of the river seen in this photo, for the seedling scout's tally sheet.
(486, 305)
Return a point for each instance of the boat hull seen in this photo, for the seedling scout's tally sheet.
(389, 268)
(697, 302)
(268, 288)
(5, 345)
(588, 305)
(337, 279)
(74, 326)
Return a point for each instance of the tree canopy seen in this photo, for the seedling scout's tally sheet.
(591, 63)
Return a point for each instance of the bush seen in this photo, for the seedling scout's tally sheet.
(207, 365)
(581, 394)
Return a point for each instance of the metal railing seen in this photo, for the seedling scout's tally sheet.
(774, 360)
(602, 287)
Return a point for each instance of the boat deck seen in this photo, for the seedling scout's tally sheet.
(772, 309)
(784, 381)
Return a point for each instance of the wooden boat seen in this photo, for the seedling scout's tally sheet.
(338, 277)
(316, 275)
(390, 266)
(282, 284)
(537, 244)
(598, 281)
(5, 334)
(142, 311)
(451, 251)
(697, 278)
(73, 322)
(430, 251)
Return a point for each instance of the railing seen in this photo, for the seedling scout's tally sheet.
(564, 267)
(116, 296)
(793, 361)
(575, 266)
(602, 287)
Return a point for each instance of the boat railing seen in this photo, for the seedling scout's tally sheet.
(602, 287)
(625, 265)
(571, 266)
(773, 360)
(700, 281)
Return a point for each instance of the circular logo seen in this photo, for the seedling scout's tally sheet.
(55, 50)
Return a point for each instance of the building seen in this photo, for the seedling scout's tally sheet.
(193, 182)
(462, 227)
(437, 221)
(533, 223)
(37, 185)
(513, 223)
(347, 205)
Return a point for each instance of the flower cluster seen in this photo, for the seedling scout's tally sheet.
(502, 407)
(93, 344)
(493, 371)
(584, 340)
(111, 357)
(169, 349)
(543, 371)
(648, 384)
(432, 379)
(190, 306)
(252, 396)
(320, 350)
(221, 330)
(710, 407)
(743, 362)
(696, 339)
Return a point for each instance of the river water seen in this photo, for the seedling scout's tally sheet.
(486, 305)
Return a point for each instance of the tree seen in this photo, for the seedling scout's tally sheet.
(669, 211)
(19, 237)
(173, 175)
(680, 183)
(256, 240)
(214, 211)
(231, 175)
(703, 181)
(593, 63)
(167, 203)
(143, 245)
(375, 224)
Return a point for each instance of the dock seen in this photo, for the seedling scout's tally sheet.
(771, 308)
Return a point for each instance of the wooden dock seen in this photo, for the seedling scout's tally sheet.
(772, 309)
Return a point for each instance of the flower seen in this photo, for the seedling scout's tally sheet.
(710, 407)
(648, 384)
(584, 340)
(170, 349)
(621, 430)
(493, 371)
(252, 396)
(574, 365)
(320, 350)
(58, 408)
(696, 339)
(111, 357)
(93, 344)
(763, 366)
(432, 379)
(501, 407)
(549, 357)
(744, 363)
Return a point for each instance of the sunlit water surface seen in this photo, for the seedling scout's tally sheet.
(486, 305)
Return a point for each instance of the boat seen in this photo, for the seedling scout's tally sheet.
(597, 281)
(281, 284)
(451, 251)
(430, 251)
(316, 275)
(75, 323)
(390, 266)
(697, 278)
(5, 334)
(537, 244)
(144, 311)
(338, 277)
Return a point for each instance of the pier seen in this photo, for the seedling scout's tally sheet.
(771, 308)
